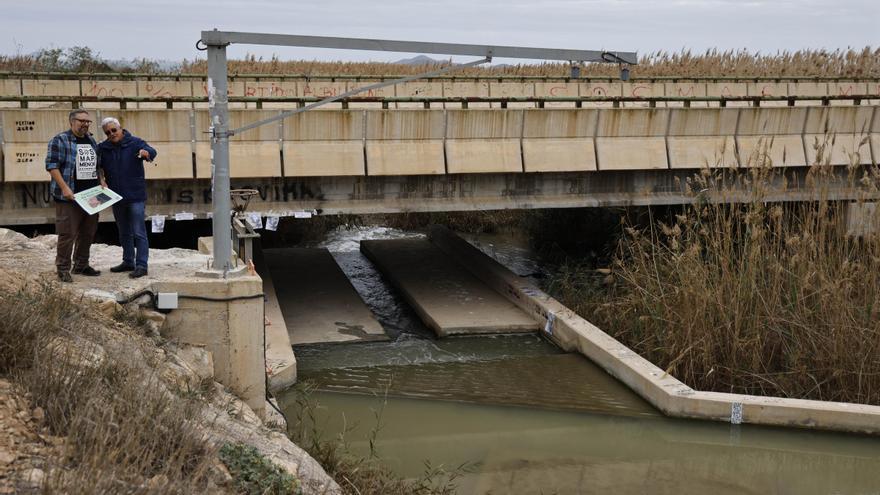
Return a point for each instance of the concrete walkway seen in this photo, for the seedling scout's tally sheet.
(317, 300)
(448, 298)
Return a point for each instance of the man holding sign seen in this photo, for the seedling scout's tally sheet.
(72, 162)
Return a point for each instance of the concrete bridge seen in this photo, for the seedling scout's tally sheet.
(377, 160)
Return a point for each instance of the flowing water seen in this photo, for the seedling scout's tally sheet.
(525, 417)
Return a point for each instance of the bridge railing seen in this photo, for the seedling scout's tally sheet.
(377, 142)
(436, 102)
(139, 91)
(265, 76)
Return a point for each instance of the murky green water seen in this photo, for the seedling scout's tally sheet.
(527, 418)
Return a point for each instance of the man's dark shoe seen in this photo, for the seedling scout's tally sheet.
(87, 271)
(122, 267)
(65, 277)
(138, 273)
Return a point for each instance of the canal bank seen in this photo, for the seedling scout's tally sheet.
(124, 408)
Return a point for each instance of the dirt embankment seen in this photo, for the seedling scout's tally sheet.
(93, 399)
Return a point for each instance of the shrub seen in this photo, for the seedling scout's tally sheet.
(254, 474)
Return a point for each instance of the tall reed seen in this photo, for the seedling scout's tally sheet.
(751, 297)
(846, 63)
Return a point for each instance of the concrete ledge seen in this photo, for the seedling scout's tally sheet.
(559, 154)
(631, 153)
(666, 393)
(701, 151)
(780, 150)
(280, 360)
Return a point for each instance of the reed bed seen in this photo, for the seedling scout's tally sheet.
(848, 63)
(754, 297)
(712, 63)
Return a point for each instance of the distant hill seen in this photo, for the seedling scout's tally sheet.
(419, 60)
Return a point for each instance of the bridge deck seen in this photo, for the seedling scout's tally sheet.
(365, 161)
(448, 298)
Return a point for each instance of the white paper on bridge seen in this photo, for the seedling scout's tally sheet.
(157, 224)
(255, 219)
(95, 199)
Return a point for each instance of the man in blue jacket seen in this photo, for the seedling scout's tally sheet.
(122, 158)
(74, 165)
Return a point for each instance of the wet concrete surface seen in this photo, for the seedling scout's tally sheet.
(317, 300)
(448, 298)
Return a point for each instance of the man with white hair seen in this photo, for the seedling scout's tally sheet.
(122, 158)
(73, 165)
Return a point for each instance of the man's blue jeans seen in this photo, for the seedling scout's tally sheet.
(132, 233)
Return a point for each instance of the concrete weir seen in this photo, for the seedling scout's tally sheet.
(446, 296)
(318, 302)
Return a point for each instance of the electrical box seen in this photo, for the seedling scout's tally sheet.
(166, 300)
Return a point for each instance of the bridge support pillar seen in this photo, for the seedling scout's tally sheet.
(226, 316)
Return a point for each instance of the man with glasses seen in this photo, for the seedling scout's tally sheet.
(122, 161)
(73, 164)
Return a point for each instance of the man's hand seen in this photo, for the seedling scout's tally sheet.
(67, 193)
(144, 154)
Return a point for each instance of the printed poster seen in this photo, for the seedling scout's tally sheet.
(96, 199)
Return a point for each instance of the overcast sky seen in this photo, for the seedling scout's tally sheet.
(165, 29)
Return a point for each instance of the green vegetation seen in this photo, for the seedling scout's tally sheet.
(757, 298)
(254, 474)
(73, 59)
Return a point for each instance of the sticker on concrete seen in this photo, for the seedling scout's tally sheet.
(736, 413)
(212, 92)
(157, 223)
(548, 327)
(272, 223)
(183, 216)
(255, 220)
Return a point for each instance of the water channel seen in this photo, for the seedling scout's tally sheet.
(525, 417)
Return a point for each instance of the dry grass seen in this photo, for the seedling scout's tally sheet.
(849, 63)
(125, 432)
(801, 63)
(755, 298)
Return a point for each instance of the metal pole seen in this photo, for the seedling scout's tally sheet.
(219, 108)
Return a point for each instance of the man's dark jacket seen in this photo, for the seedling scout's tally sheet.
(123, 169)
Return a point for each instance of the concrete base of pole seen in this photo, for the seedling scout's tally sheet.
(227, 317)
